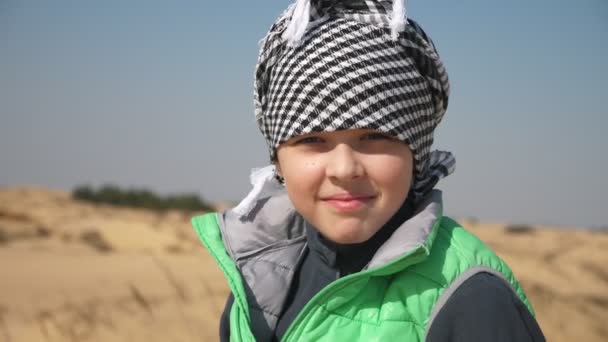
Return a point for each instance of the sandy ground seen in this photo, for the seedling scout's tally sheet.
(71, 271)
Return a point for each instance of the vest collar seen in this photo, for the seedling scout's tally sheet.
(274, 223)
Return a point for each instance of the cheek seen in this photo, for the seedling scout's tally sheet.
(392, 173)
(302, 179)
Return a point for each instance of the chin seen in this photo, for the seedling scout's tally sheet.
(348, 235)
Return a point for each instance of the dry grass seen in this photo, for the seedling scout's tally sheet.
(76, 272)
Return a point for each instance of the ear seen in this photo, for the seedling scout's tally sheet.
(277, 168)
(278, 173)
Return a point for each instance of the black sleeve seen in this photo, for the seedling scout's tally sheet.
(484, 308)
(225, 320)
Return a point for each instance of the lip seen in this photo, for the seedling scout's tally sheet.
(347, 202)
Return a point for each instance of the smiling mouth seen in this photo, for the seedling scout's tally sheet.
(348, 202)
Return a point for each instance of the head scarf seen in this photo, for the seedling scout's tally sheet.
(345, 64)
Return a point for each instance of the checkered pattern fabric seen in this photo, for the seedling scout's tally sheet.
(347, 73)
(370, 11)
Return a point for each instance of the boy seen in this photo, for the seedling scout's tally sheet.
(343, 238)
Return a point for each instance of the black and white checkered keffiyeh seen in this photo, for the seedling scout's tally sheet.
(334, 65)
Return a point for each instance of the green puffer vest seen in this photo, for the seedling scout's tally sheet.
(395, 296)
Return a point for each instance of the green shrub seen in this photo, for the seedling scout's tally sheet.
(519, 229)
(139, 198)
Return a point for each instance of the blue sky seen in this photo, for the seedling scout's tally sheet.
(158, 94)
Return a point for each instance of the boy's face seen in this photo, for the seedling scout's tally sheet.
(347, 184)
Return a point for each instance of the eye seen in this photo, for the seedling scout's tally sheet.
(308, 140)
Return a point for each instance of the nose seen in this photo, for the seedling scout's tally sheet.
(343, 163)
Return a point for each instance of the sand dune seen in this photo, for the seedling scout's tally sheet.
(73, 271)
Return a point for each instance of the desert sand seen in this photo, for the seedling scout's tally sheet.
(74, 271)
